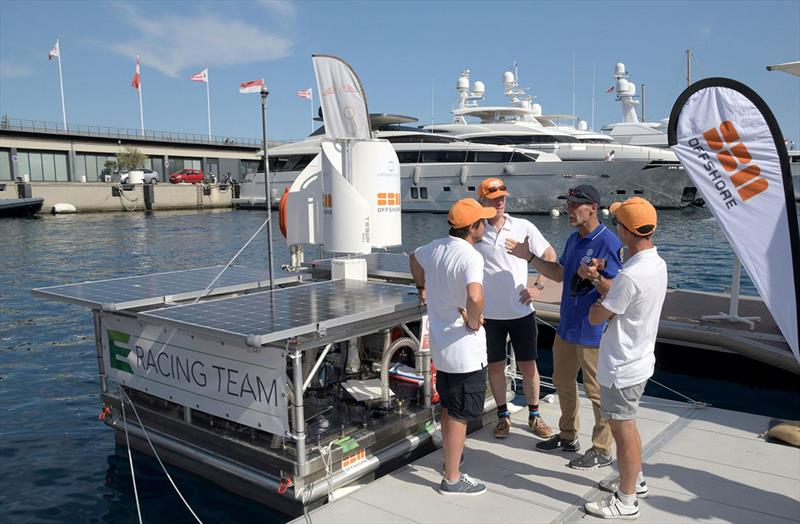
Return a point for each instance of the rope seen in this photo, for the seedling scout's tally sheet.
(205, 291)
(130, 458)
(139, 420)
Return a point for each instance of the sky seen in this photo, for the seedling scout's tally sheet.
(408, 55)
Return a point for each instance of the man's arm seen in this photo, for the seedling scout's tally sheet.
(550, 268)
(474, 309)
(591, 272)
(599, 314)
(419, 276)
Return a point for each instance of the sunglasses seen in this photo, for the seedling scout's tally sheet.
(494, 189)
(642, 230)
(577, 193)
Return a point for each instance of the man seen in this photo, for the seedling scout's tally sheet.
(449, 274)
(509, 311)
(576, 343)
(632, 309)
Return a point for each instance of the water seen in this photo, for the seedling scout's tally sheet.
(58, 462)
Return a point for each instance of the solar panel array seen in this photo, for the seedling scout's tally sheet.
(385, 265)
(147, 290)
(259, 318)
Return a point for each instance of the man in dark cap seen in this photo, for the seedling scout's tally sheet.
(576, 344)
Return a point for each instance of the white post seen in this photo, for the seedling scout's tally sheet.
(593, 93)
(733, 309)
(312, 110)
(141, 111)
(573, 89)
(61, 82)
(208, 103)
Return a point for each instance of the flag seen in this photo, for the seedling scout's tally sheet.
(344, 106)
(305, 93)
(253, 86)
(202, 76)
(54, 52)
(732, 148)
(610, 89)
(137, 76)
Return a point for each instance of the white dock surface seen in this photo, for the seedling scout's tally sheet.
(701, 464)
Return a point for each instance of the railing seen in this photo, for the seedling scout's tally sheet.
(39, 126)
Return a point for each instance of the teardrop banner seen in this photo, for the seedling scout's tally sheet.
(730, 144)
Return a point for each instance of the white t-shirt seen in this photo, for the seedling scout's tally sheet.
(627, 349)
(450, 264)
(505, 275)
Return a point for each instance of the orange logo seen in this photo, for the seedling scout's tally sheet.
(327, 200)
(388, 199)
(733, 155)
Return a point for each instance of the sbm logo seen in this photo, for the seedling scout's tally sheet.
(388, 199)
(734, 155)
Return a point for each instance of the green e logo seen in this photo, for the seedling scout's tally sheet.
(118, 354)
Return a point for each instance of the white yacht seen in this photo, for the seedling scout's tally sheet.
(653, 173)
(436, 170)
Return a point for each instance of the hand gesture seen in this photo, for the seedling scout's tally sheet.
(518, 249)
(591, 270)
(528, 295)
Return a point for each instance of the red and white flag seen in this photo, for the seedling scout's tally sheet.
(137, 76)
(55, 52)
(305, 93)
(253, 86)
(610, 89)
(202, 76)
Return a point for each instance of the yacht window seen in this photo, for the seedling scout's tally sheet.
(519, 156)
(523, 139)
(444, 156)
(289, 163)
(493, 156)
(470, 188)
(446, 188)
(419, 139)
(414, 193)
(620, 191)
(408, 157)
(423, 193)
(302, 162)
(638, 192)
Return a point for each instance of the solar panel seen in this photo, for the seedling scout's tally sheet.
(384, 265)
(117, 294)
(259, 318)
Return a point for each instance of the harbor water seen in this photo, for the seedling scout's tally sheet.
(58, 463)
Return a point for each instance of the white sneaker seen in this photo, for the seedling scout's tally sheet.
(612, 507)
(612, 486)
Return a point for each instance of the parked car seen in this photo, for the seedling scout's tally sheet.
(139, 176)
(192, 176)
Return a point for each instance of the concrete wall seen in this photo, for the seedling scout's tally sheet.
(98, 196)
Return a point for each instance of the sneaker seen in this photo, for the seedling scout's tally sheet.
(556, 443)
(612, 486)
(612, 507)
(592, 459)
(464, 486)
(539, 427)
(502, 428)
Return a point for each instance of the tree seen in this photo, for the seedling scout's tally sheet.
(130, 158)
(110, 166)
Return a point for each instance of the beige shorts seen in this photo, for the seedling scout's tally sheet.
(621, 404)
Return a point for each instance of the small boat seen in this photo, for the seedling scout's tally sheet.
(20, 207)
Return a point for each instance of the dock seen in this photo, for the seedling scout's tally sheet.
(700, 463)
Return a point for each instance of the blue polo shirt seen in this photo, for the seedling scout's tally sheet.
(577, 294)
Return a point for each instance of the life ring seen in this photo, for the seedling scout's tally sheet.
(282, 212)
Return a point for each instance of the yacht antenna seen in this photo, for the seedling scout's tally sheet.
(688, 67)
(593, 93)
(573, 83)
(433, 97)
(643, 106)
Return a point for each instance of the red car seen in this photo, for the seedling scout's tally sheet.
(192, 176)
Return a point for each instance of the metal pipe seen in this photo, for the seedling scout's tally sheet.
(98, 339)
(299, 416)
(317, 364)
(387, 356)
(267, 200)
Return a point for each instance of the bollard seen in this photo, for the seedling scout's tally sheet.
(149, 191)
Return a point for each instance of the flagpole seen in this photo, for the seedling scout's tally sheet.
(593, 92)
(141, 109)
(208, 103)
(312, 111)
(61, 82)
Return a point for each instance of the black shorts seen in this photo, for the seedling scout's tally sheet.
(522, 332)
(463, 394)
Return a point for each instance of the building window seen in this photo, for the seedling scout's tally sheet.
(414, 193)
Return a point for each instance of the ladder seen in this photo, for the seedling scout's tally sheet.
(199, 195)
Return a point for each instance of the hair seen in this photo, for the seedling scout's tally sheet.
(463, 232)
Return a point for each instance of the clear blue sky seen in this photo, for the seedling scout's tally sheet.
(399, 49)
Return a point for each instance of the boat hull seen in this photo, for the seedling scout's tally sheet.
(20, 207)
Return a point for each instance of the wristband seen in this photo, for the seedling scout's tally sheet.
(531, 258)
(421, 288)
(466, 325)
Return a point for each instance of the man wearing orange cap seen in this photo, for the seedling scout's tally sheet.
(449, 275)
(632, 308)
(509, 310)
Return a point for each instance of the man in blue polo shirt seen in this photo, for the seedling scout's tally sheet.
(576, 345)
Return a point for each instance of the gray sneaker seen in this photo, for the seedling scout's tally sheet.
(612, 486)
(556, 443)
(592, 459)
(464, 486)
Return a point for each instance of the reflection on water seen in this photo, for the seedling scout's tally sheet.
(58, 461)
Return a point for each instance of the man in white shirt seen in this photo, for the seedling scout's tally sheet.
(632, 308)
(509, 310)
(449, 274)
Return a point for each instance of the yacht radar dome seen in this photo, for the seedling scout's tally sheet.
(463, 82)
(619, 70)
(478, 89)
(508, 79)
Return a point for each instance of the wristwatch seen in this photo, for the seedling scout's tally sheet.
(538, 285)
(596, 281)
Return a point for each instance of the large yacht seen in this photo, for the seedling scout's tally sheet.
(617, 170)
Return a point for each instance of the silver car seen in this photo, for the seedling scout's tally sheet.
(139, 176)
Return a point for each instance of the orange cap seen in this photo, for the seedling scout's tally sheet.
(636, 214)
(467, 211)
(492, 188)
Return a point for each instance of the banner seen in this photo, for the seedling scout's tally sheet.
(344, 105)
(253, 86)
(731, 146)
